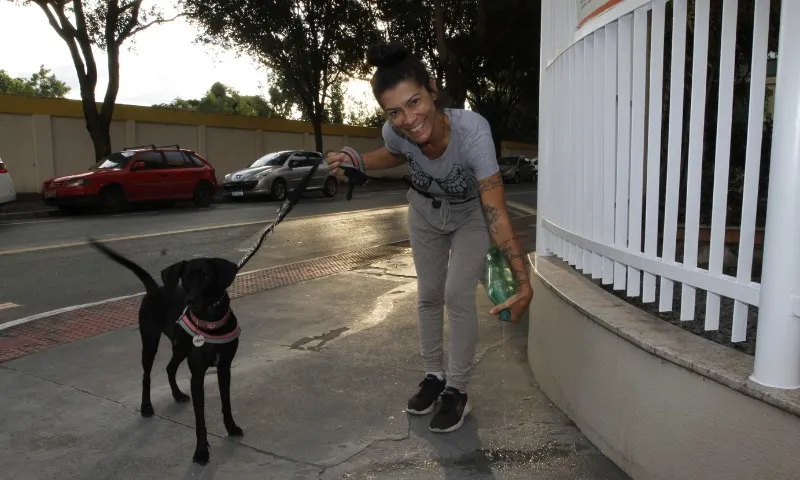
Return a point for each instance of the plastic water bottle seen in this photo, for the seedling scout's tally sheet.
(500, 282)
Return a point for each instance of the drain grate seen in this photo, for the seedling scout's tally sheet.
(91, 321)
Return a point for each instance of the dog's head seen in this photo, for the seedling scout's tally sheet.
(203, 279)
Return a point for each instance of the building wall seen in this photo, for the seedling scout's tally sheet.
(43, 137)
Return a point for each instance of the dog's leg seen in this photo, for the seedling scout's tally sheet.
(149, 351)
(224, 379)
(198, 369)
(179, 354)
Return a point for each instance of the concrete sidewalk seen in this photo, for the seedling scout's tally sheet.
(320, 382)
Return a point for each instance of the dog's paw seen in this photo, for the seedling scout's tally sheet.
(234, 431)
(147, 411)
(181, 397)
(201, 456)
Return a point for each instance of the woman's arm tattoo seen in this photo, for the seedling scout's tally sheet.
(490, 183)
(492, 217)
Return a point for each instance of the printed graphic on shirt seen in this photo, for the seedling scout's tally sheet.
(458, 183)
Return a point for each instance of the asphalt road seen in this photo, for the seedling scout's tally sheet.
(45, 264)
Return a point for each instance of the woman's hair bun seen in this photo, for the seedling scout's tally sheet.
(386, 55)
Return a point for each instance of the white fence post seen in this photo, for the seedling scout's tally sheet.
(777, 357)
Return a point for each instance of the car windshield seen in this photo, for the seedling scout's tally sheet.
(507, 161)
(273, 160)
(115, 160)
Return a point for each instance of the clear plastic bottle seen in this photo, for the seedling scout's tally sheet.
(499, 280)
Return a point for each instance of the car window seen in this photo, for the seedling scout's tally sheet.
(301, 160)
(152, 160)
(275, 159)
(177, 159)
(115, 160)
(195, 161)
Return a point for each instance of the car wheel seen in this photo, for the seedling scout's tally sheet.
(203, 194)
(112, 199)
(279, 189)
(331, 187)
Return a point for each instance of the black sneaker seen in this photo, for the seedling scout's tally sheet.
(453, 408)
(422, 403)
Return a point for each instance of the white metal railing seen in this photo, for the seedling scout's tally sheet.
(600, 170)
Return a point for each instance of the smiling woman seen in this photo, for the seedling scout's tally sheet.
(457, 207)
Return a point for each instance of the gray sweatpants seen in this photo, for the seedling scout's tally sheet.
(448, 246)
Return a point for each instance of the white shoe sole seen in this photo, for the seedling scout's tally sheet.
(467, 409)
(422, 412)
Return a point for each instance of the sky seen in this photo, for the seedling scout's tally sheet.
(153, 69)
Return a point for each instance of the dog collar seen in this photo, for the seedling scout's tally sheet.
(199, 337)
(206, 325)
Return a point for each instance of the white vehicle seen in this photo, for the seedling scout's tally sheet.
(7, 191)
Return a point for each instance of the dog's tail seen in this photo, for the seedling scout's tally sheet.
(148, 281)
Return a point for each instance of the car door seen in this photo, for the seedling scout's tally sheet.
(526, 168)
(318, 181)
(182, 175)
(299, 166)
(146, 174)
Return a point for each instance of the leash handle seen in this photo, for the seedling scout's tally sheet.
(355, 177)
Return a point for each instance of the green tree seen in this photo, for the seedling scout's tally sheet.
(362, 114)
(107, 24)
(221, 98)
(504, 84)
(444, 33)
(40, 84)
(310, 46)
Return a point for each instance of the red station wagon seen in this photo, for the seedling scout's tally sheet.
(135, 174)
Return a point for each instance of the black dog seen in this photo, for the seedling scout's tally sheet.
(199, 322)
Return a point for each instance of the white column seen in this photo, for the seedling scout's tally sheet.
(777, 358)
(201, 142)
(43, 155)
(130, 133)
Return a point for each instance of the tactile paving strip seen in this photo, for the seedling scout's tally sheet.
(88, 322)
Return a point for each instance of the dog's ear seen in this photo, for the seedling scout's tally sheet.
(225, 271)
(172, 274)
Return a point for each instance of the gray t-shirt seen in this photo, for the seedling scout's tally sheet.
(469, 157)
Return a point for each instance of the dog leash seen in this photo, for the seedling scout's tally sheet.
(285, 208)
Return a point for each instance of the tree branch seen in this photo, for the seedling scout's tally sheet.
(157, 21)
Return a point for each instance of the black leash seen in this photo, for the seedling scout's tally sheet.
(357, 178)
(285, 208)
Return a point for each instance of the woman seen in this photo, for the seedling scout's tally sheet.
(456, 204)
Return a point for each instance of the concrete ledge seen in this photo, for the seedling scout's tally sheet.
(660, 402)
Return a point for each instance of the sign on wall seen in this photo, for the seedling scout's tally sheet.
(588, 9)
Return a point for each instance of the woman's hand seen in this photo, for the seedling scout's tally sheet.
(334, 159)
(518, 303)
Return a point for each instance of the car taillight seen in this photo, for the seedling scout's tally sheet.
(3, 168)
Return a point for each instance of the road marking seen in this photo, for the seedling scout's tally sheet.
(8, 214)
(187, 230)
(32, 222)
(520, 193)
(522, 207)
(7, 305)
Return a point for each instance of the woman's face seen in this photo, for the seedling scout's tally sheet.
(410, 108)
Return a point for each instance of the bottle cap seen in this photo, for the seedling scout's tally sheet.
(505, 315)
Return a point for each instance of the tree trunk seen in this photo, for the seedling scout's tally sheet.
(101, 137)
(316, 121)
(449, 60)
